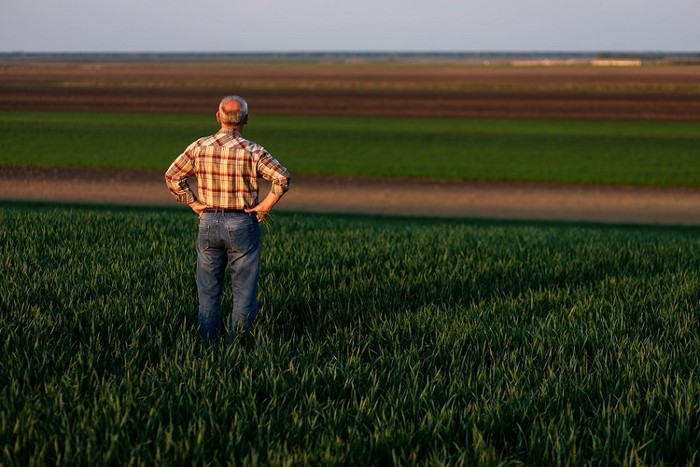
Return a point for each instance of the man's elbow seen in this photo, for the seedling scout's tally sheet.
(280, 186)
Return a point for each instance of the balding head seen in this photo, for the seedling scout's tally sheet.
(233, 111)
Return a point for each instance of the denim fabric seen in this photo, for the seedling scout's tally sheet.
(231, 239)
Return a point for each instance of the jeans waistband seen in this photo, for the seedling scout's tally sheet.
(237, 211)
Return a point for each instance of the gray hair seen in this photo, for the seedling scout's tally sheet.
(233, 118)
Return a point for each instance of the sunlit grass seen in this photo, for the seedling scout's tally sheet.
(429, 341)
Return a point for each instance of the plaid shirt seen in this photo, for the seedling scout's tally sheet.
(227, 168)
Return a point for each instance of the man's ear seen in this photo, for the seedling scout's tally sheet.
(245, 119)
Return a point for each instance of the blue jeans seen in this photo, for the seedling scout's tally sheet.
(233, 239)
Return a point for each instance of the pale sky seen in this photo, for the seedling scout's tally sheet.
(349, 25)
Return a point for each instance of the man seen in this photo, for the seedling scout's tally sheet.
(227, 168)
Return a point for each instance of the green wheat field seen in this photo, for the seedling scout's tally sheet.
(380, 340)
(582, 152)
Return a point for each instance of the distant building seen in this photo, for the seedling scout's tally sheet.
(616, 62)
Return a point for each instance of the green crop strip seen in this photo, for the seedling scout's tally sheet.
(379, 340)
(618, 153)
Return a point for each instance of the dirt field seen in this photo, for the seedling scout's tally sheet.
(387, 197)
(666, 93)
(388, 89)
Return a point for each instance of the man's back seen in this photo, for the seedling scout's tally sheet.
(227, 167)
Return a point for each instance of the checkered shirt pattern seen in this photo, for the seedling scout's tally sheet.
(227, 167)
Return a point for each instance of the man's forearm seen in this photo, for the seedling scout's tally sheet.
(269, 202)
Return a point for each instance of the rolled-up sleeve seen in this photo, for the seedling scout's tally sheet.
(271, 170)
(176, 178)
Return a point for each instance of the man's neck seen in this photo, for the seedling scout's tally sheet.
(237, 128)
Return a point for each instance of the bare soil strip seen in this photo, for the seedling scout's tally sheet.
(637, 205)
(655, 93)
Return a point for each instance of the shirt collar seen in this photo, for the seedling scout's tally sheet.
(229, 131)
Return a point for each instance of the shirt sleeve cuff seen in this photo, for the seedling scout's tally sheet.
(280, 187)
(185, 197)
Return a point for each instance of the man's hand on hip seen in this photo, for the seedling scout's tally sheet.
(260, 213)
(198, 207)
(263, 209)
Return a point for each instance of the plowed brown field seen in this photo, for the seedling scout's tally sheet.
(388, 89)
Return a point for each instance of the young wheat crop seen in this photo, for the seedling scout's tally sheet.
(379, 340)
